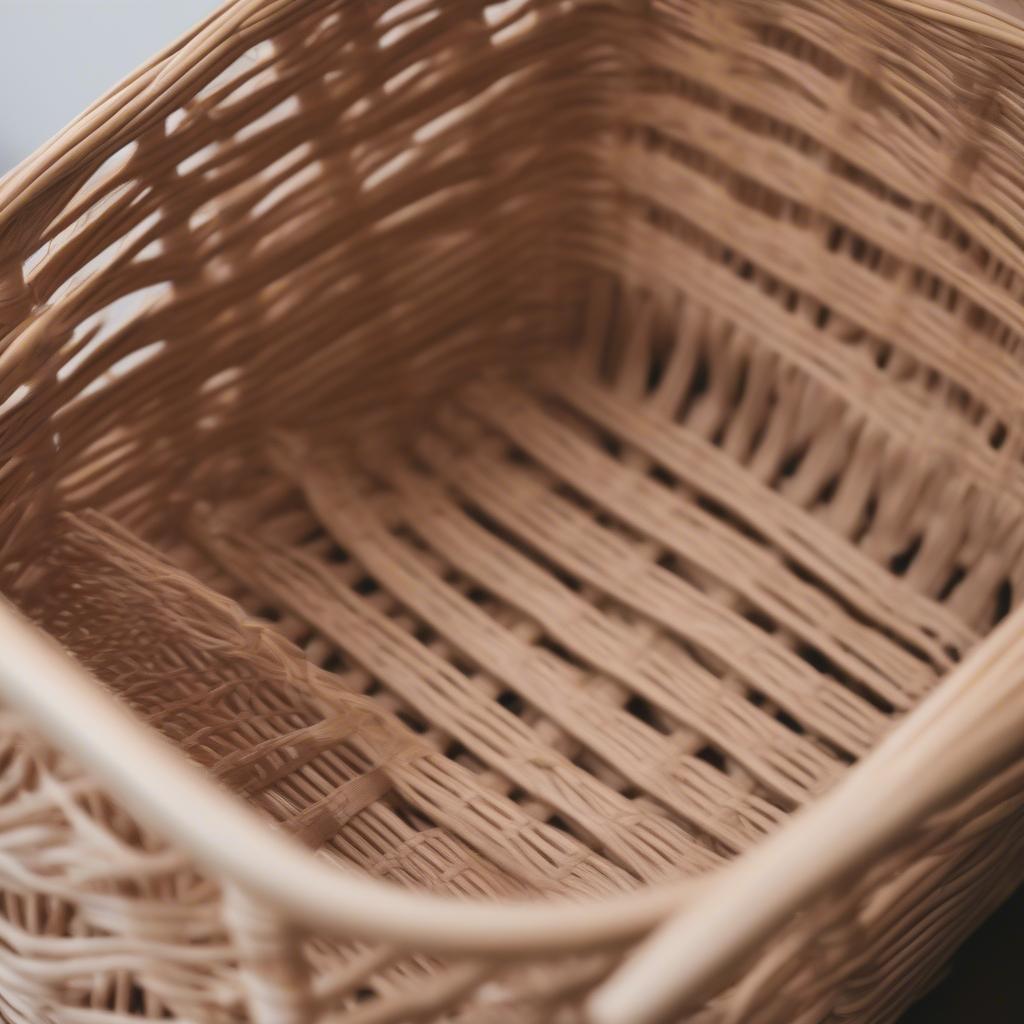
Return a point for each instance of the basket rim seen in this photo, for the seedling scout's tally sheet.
(978, 16)
(155, 781)
(141, 97)
(167, 792)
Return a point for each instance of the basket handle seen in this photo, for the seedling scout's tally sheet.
(158, 784)
(275, 976)
(967, 730)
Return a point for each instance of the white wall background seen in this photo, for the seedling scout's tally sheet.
(57, 56)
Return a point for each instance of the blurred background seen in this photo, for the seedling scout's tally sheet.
(57, 56)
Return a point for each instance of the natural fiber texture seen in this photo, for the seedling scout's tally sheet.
(524, 450)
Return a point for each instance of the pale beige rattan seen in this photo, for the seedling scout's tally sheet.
(509, 481)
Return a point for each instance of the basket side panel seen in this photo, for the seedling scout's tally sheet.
(848, 203)
(308, 211)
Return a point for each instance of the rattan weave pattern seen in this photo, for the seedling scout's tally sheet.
(525, 451)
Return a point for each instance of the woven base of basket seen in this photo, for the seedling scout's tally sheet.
(572, 638)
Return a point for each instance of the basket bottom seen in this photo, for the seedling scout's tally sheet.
(598, 614)
(572, 638)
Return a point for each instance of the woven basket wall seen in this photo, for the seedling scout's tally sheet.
(527, 451)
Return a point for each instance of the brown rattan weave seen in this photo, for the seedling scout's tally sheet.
(524, 451)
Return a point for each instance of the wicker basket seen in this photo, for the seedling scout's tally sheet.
(506, 480)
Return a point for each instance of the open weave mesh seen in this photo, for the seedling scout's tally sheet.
(526, 450)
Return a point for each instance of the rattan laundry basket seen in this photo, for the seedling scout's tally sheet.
(508, 481)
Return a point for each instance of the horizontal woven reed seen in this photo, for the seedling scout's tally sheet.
(524, 451)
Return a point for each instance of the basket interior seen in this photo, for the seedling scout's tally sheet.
(597, 612)
(588, 395)
(321, 218)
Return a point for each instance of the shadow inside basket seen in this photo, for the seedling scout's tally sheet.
(561, 641)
